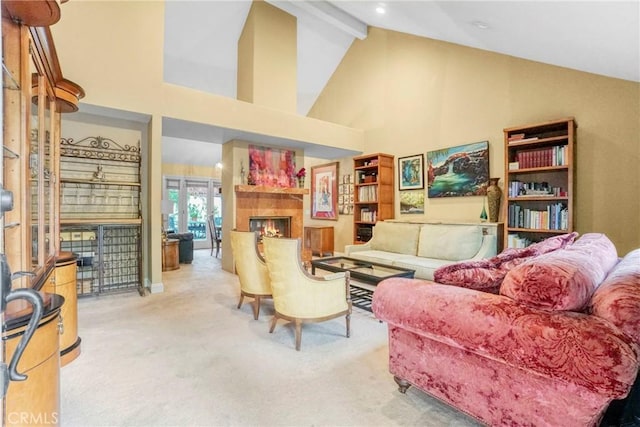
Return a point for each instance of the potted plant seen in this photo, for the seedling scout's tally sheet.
(300, 175)
(194, 211)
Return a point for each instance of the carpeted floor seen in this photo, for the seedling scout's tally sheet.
(188, 357)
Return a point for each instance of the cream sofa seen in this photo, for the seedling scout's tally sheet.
(424, 247)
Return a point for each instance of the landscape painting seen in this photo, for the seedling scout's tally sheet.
(458, 171)
(412, 202)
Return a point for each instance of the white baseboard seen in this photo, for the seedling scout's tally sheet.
(154, 288)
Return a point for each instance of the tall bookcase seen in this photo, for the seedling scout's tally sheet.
(539, 172)
(373, 193)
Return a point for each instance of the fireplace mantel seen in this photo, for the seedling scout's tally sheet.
(269, 190)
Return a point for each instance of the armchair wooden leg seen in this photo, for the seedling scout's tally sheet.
(256, 307)
(274, 320)
(348, 325)
(240, 302)
(298, 333)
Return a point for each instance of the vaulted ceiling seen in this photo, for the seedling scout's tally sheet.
(601, 37)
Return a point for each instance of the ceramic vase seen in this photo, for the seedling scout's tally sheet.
(301, 182)
(494, 194)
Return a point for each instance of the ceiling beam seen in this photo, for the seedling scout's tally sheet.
(325, 12)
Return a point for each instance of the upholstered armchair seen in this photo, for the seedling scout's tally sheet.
(299, 296)
(251, 269)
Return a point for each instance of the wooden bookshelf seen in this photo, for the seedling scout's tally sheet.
(373, 193)
(539, 184)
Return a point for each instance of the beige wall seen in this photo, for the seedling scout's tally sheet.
(114, 50)
(407, 94)
(267, 58)
(175, 169)
(411, 95)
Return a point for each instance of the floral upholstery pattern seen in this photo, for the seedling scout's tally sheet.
(563, 279)
(617, 299)
(487, 274)
(500, 361)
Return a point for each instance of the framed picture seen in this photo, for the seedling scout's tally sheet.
(411, 172)
(272, 167)
(324, 191)
(412, 202)
(458, 171)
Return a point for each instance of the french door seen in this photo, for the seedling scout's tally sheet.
(192, 201)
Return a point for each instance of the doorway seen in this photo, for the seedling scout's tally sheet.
(194, 199)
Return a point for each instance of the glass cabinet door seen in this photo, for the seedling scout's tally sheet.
(47, 168)
(42, 125)
(35, 163)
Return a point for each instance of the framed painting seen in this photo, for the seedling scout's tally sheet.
(412, 202)
(324, 191)
(272, 167)
(411, 172)
(458, 171)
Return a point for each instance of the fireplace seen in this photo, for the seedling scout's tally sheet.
(254, 201)
(270, 226)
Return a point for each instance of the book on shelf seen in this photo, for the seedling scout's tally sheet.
(541, 157)
(514, 240)
(522, 139)
(554, 217)
(368, 193)
(368, 215)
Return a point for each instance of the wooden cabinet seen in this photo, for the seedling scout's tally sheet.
(170, 254)
(373, 193)
(319, 240)
(35, 401)
(63, 283)
(34, 95)
(539, 172)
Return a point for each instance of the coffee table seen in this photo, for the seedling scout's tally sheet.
(369, 273)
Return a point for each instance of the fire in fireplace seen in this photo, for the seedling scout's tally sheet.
(271, 226)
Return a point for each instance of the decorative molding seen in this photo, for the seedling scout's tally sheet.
(99, 148)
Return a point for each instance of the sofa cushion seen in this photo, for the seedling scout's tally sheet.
(617, 299)
(449, 242)
(395, 237)
(563, 279)
(487, 274)
(380, 257)
(424, 267)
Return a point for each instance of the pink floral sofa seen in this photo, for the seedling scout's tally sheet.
(554, 342)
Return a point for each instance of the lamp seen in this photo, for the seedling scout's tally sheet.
(167, 209)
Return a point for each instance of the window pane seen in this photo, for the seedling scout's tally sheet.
(197, 208)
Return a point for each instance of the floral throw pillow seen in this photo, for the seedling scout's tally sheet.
(487, 274)
(563, 279)
(617, 299)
